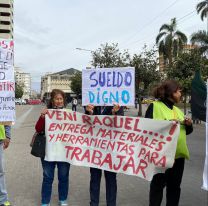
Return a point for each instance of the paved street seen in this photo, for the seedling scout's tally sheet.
(24, 172)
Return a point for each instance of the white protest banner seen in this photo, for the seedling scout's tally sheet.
(108, 86)
(7, 84)
(129, 145)
(6, 60)
(205, 175)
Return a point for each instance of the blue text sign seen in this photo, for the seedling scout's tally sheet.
(108, 86)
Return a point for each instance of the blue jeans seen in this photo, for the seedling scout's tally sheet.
(48, 177)
(111, 187)
(3, 191)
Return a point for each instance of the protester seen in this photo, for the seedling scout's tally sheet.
(110, 177)
(57, 101)
(74, 104)
(168, 94)
(5, 135)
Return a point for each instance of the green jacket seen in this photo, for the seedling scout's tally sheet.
(162, 112)
(2, 132)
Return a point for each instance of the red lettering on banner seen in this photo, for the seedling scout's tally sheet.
(77, 128)
(129, 164)
(76, 152)
(79, 140)
(86, 156)
(141, 168)
(136, 126)
(116, 125)
(68, 149)
(86, 119)
(51, 127)
(172, 129)
(108, 161)
(59, 137)
(97, 120)
(96, 159)
(108, 121)
(51, 114)
(121, 158)
(142, 152)
(131, 152)
(59, 115)
(152, 143)
(162, 162)
(51, 137)
(108, 134)
(130, 137)
(128, 123)
(65, 137)
(160, 146)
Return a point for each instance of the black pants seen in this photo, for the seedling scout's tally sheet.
(111, 187)
(172, 180)
(74, 107)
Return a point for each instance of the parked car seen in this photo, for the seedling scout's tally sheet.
(33, 101)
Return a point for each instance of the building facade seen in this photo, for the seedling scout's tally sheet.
(6, 19)
(164, 62)
(60, 80)
(23, 79)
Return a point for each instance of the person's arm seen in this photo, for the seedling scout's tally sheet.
(40, 125)
(6, 141)
(149, 112)
(188, 125)
(7, 131)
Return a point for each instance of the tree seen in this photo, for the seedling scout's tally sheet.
(184, 69)
(202, 8)
(110, 56)
(146, 72)
(170, 41)
(76, 83)
(18, 91)
(201, 39)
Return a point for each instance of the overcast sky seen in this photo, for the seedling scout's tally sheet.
(46, 32)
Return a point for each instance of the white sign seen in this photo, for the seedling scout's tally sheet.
(108, 86)
(6, 60)
(7, 102)
(7, 84)
(129, 145)
(205, 178)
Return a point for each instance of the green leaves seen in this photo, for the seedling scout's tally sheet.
(76, 83)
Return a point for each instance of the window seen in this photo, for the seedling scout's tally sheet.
(5, 22)
(4, 31)
(5, 5)
(5, 14)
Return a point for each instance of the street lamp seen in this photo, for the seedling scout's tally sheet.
(85, 50)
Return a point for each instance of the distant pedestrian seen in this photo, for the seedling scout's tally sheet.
(57, 101)
(5, 135)
(169, 93)
(74, 104)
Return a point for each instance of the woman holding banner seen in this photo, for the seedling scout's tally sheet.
(57, 101)
(168, 94)
(110, 177)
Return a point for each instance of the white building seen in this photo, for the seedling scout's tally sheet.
(60, 80)
(6, 19)
(24, 80)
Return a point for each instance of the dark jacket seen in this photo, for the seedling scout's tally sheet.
(107, 110)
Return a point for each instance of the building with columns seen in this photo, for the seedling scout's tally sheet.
(6, 19)
(59, 80)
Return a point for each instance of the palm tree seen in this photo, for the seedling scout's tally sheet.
(170, 41)
(201, 38)
(202, 8)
